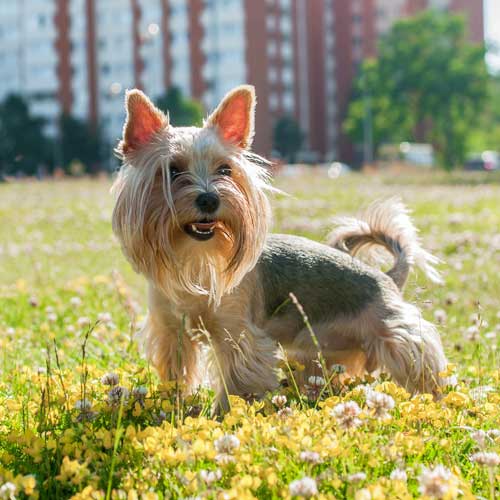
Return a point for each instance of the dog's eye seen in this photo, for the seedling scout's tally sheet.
(174, 170)
(224, 170)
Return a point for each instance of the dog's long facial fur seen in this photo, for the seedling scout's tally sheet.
(165, 169)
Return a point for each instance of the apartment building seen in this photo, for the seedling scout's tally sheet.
(28, 55)
(79, 56)
(359, 23)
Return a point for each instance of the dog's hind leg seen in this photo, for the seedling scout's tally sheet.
(410, 349)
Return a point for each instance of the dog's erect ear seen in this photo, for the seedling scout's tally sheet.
(143, 121)
(234, 117)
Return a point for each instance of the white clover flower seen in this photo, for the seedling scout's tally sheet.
(472, 333)
(338, 369)
(83, 405)
(305, 487)
(479, 437)
(451, 299)
(104, 317)
(210, 476)
(279, 400)
(493, 433)
(311, 457)
(118, 394)
(8, 491)
(440, 316)
(316, 382)
(52, 317)
(314, 387)
(110, 379)
(75, 301)
(347, 414)
(284, 413)
(140, 392)
(83, 321)
(357, 477)
(227, 443)
(224, 458)
(399, 475)
(480, 393)
(436, 482)
(486, 458)
(380, 403)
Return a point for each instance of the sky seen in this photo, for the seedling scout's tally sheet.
(492, 29)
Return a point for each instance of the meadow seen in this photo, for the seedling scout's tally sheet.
(83, 416)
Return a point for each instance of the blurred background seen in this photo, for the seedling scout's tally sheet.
(346, 84)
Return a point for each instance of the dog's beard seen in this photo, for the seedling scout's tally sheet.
(150, 218)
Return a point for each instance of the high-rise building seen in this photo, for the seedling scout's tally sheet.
(29, 56)
(359, 23)
(79, 56)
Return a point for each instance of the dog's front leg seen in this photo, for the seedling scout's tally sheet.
(173, 352)
(242, 364)
(170, 345)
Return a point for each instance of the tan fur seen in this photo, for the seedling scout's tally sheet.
(236, 114)
(386, 223)
(142, 122)
(210, 292)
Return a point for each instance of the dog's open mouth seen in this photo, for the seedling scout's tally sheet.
(201, 230)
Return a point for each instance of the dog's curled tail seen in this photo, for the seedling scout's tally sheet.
(386, 223)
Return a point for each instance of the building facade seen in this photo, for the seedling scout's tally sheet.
(79, 56)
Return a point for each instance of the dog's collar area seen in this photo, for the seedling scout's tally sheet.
(201, 230)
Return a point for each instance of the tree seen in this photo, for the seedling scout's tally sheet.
(78, 141)
(181, 110)
(23, 147)
(428, 84)
(487, 133)
(287, 137)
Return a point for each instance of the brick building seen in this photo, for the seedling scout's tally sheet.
(79, 56)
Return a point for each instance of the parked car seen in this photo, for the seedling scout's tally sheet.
(487, 160)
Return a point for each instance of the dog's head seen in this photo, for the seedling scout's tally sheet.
(191, 212)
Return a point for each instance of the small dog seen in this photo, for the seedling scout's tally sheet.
(192, 216)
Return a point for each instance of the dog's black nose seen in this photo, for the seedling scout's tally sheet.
(208, 202)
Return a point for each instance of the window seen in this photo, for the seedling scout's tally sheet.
(271, 22)
(273, 101)
(272, 49)
(288, 102)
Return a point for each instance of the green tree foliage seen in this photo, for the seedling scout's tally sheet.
(23, 146)
(78, 142)
(287, 137)
(428, 84)
(487, 134)
(181, 110)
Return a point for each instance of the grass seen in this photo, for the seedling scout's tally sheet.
(69, 309)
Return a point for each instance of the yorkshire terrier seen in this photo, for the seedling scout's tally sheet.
(192, 216)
